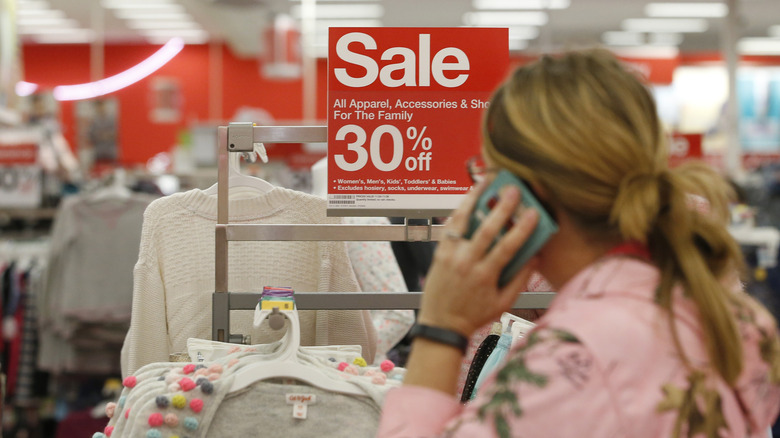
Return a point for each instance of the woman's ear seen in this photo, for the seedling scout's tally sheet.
(543, 196)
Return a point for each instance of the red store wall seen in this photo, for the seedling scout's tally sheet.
(141, 138)
(241, 85)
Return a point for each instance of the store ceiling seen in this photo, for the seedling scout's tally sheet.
(240, 23)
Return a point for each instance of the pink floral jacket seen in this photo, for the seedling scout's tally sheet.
(602, 363)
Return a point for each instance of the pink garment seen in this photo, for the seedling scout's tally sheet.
(601, 362)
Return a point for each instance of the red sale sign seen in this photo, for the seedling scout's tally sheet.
(684, 147)
(405, 108)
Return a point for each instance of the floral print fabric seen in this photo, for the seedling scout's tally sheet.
(602, 362)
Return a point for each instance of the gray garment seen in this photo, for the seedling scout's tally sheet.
(262, 410)
(251, 410)
(89, 282)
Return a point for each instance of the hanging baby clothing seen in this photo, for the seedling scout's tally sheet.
(377, 270)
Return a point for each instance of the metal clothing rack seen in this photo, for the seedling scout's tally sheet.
(240, 137)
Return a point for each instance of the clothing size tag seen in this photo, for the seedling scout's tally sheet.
(299, 411)
(300, 403)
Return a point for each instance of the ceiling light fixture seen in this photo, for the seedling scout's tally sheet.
(759, 46)
(647, 52)
(130, 4)
(531, 18)
(323, 25)
(517, 45)
(343, 11)
(703, 10)
(614, 38)
(32, 4)
(34, 13)
(140, 25)
(121, 80)
(521, 4)
(24, 88)
(44, 22)
(339, 1)
(665, 25)
(150, 15)
(523, 33)
(64, 38)
(665, 39)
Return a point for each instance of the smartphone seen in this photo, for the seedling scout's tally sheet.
(545, 227)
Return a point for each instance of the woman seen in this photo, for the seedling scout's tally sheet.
(649, 334)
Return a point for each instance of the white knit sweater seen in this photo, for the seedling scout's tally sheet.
(174, 275)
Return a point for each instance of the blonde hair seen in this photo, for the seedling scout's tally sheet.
(587, 131)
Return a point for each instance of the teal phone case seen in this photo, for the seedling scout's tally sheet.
(545, 227)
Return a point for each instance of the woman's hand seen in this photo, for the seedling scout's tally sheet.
(461, 289)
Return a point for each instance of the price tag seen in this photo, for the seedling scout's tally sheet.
(405, 108)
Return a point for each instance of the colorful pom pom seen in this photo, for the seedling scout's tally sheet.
(190, 423)
(234, 350)
(108, 430)
(379, 379)
(207, 387)
(201, 380)
(200, 372)
(122, 401)
(179, 401)
(342, 366)
(174, 387)
(332, 359)
(351, 369)
(189, 369)
(387, 365)
(214, 376)
(215, 368)
(186, 384)
(98, 435)
(130, 381)
(170, 378)
(171, 420)
(110, 409)
(370, 373)
(232, 362)
(127, 413)
(156, 419)
(359, 361)
(196, 405)
(153, 433)
(162, 401)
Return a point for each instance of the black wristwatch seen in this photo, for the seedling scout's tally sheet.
(440, 335)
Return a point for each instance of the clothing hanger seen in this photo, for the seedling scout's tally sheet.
(242, 185)
(285, 364)
(117, 190)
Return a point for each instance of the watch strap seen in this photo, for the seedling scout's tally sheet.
(440, 335)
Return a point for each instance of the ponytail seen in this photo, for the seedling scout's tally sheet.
(692, 249)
